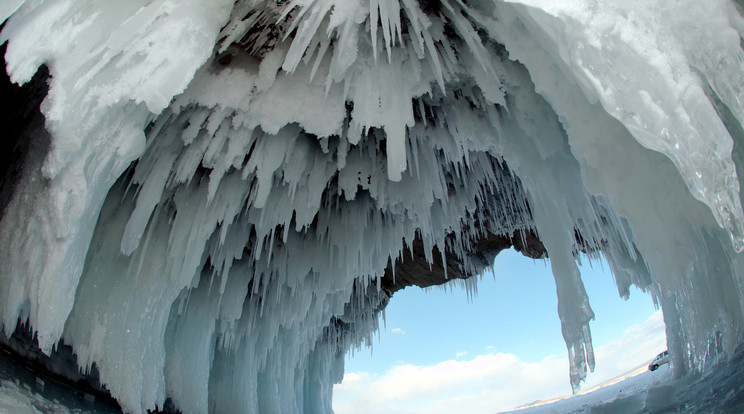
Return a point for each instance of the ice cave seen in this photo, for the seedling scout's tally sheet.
(206, 203)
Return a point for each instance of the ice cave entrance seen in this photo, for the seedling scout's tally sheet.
(493, 342)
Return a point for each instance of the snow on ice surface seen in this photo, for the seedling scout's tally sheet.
(285, 150)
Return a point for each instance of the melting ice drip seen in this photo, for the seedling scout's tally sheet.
(228, 180)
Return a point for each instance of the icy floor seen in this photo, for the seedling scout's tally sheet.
(719, 391)
(24, 392)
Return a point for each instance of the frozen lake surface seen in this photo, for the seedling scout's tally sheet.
(718, 391)
(25, 391)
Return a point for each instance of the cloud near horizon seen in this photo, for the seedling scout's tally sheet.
(492, 382)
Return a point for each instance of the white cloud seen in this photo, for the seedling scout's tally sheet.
(350, 381)
(486, 383)
(398, 331)
(489, 383)
(461, 353)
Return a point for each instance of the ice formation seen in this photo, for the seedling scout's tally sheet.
(226, 181)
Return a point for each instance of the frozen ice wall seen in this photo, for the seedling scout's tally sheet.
(227, 181)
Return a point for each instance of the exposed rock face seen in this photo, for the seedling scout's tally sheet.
(23, 127)
(413, 268)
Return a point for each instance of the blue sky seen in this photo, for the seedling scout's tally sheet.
(502, 348)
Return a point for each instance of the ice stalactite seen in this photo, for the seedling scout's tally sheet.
(228, 183)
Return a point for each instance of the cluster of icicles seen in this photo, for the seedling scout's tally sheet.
(227, 180)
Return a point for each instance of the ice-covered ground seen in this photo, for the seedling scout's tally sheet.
(25, 391)
(720, 390)
(21, 398)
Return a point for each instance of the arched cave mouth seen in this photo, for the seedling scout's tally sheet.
(494, 340)
(211, 230)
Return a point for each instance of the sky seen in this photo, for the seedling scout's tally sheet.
(443, 350)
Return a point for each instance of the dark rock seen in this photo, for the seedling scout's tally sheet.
(412, 269)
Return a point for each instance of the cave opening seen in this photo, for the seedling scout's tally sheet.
(493, 342)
